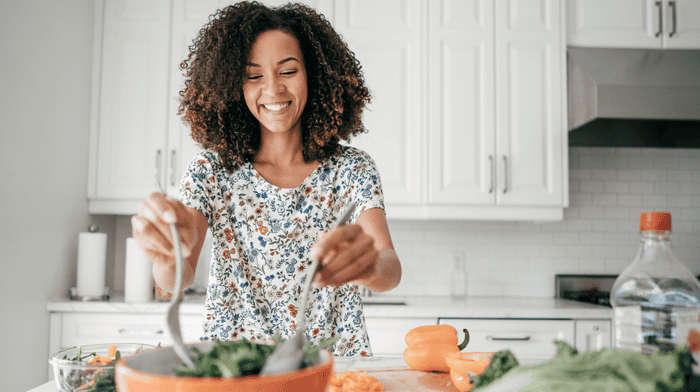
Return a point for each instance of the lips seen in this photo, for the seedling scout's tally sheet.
(275, 107)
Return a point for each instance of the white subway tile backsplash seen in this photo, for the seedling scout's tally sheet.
(604, 174)
(592, 238)
(667, 188)
(629, 200)
(653, 175)
(617, 187)
(641, 187)
(593, 212)
(629, 175)
(604, 200)
(680, 176)
(578, 251)
(692, 188)
(608, 189)
(592, 186)
(591, 265)
(654, 201)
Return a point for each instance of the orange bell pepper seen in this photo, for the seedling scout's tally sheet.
(464, 366)
(429, 345)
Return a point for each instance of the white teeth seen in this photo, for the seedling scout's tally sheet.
(274, 107)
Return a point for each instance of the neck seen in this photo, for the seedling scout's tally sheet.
(280, 148)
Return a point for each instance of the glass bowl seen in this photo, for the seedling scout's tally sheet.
(78, 368)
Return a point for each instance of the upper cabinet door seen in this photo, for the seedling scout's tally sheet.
(644, 24)
(619, 23)
(682, 24)
(386, 37)
(461, 105)
(129, 114)
(530, 102)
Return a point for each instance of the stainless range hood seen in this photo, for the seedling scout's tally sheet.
(634, 97)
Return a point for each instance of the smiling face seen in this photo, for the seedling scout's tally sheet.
(275, 90)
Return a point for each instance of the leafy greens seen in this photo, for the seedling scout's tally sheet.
(243, 358)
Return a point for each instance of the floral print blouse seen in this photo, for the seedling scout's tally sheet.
(262, 236)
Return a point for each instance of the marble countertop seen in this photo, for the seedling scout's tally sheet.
(384, 306)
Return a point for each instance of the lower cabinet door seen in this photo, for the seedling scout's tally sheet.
(593, 335)
(387, 335)
(531, 341)
(149, 328)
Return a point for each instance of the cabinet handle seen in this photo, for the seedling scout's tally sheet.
(505, 174)
(492, 172)
(173, 155)
(658, 5)
(126, 331)
(523, 338)
(158, 154)
(672, 4)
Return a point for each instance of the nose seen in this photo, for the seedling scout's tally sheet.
(273, 85)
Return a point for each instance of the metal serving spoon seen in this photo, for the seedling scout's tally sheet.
(172, 317)
(287, 357)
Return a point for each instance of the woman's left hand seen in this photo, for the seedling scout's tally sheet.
(346, 254)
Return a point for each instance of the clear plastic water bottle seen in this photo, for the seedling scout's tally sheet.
(648, 294)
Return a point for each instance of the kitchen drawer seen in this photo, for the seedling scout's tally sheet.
(150, 328)
(387, 335)
(531, 341)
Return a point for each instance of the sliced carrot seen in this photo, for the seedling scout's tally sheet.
(99, 361)
(354, 382)
(112, 351)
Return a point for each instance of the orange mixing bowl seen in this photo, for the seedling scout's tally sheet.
(154, 371)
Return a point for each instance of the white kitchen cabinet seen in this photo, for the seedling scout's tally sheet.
(129, 113)
(387, 39)
(466, 120)
(593, 335)
(644, 24)
(531, 341)
(497, 103)
(387, 335)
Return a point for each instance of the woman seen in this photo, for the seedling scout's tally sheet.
(269, 94)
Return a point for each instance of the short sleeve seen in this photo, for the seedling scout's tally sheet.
(366, 184)
(198, 184)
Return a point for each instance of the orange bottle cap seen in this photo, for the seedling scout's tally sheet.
(655, 221)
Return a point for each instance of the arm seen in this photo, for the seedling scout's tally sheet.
(366, 254)
(152, 232)
(387, 274)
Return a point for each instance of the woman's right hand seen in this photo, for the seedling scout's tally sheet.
(151, 229)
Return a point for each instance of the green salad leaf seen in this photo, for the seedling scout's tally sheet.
(243, 358)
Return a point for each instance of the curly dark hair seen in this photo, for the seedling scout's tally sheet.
(212, 101)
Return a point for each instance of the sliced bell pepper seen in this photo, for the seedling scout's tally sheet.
(463, 366)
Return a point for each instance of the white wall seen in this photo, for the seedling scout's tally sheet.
(45, 71)
(609, 189)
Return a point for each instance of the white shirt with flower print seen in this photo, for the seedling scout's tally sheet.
(262, 236)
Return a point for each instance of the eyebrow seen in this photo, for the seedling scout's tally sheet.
(278, 63)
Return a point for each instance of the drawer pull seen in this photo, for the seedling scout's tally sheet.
(126, 331)
(524, 338)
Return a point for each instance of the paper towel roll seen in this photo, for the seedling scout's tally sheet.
(138, 281)
(92, 255)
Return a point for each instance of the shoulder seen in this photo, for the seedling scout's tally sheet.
(352, 156)
(207, 160)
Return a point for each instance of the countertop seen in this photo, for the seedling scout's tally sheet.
(376, 306)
